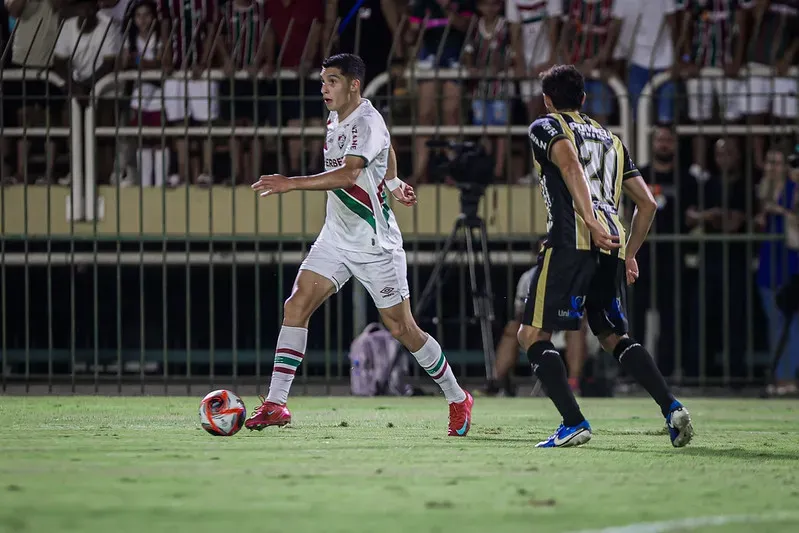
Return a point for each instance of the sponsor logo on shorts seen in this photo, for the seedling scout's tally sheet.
(388, 292)
(576, 310)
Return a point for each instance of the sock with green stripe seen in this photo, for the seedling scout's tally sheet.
(288, 356)
(435, 364)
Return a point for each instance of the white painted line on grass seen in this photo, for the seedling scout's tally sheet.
(693, 523)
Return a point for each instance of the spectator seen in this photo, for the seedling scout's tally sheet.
(36, 34)
(654, 30)
(188, 29)
(534, 35)
(707, 36)
(591, 31)
(779, 196)
(124, 168)
(448, 20)
(297, 27)
(774, 42)
(485, 57)
(243, 47)
(144, 51)
(658, 261)
(85, 52)
(724, 212)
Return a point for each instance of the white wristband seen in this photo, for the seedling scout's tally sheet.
(393, 184)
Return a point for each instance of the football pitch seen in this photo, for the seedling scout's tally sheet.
(143, 464)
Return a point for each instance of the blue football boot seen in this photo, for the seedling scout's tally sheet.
(679, 423)
(568, 436)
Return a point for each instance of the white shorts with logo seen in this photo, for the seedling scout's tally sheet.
(384, 275)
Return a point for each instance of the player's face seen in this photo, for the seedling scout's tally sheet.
(337, 90)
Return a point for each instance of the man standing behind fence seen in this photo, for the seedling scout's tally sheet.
(297, 26)
(34, 38)
(774, 29)
(188, 27)
(243, 47)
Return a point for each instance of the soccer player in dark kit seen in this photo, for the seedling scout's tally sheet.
(587, 258)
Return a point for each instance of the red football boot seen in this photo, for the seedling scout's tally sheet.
(460, 417)
(268, 414)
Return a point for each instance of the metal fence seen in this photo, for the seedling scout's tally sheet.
(107, 283)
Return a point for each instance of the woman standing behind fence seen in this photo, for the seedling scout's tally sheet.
(143, 51)
(779, 260)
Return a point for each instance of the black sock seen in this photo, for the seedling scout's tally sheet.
(636, 360)
(548, 366)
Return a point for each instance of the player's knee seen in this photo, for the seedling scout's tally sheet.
(610, 342)
(401, 329)
(528, 335)
(296, 310)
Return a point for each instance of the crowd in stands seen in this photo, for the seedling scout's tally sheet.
(708, 184)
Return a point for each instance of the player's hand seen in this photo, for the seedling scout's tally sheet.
(603, 239)
(273, 184)
(405, 195)
(631, 270)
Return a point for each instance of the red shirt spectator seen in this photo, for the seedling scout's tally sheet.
(303, 13)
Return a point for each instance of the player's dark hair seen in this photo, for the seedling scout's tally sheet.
(350, 65)
(565, 86)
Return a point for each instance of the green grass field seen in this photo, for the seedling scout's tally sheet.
(97, 464)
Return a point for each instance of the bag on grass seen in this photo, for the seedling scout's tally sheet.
(378, 364)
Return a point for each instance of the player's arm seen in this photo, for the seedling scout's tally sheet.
(342, 177)
(645, 208)
(400, 190)
(564, 155)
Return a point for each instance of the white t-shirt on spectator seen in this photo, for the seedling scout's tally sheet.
(91, 48)
(531, 15)
(147, 94)
(645, 32)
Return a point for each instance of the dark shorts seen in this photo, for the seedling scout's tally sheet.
(571, 283)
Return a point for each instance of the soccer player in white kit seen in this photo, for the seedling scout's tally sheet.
(360, 239)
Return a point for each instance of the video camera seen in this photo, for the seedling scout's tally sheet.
(470, 166)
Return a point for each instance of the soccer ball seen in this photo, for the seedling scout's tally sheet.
(222, 413)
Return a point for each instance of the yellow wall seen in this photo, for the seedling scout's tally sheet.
(222, 211)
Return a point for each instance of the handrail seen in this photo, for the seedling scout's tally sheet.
(616, 85)
(643, 145)
(74, 132)
(31, 74)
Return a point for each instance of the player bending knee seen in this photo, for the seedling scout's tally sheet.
(588, 259)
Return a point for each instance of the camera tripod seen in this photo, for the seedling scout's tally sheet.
(482, 297)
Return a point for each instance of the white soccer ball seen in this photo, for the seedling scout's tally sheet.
(222, 413)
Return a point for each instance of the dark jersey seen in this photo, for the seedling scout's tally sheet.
(606, 163)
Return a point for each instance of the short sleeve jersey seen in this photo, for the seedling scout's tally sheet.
(606, 164)
(359, 218)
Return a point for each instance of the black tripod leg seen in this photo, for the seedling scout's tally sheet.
(441, 261)
(780, 348)
(482, 306)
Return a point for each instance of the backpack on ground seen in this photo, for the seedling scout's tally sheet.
(379, 365)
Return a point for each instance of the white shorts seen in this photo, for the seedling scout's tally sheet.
(777, 93)
(730, 93)
(202, 103)
(384, 275)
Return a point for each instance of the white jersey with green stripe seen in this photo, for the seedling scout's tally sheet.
(359, 218)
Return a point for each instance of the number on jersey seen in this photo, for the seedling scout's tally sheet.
(599, 162)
